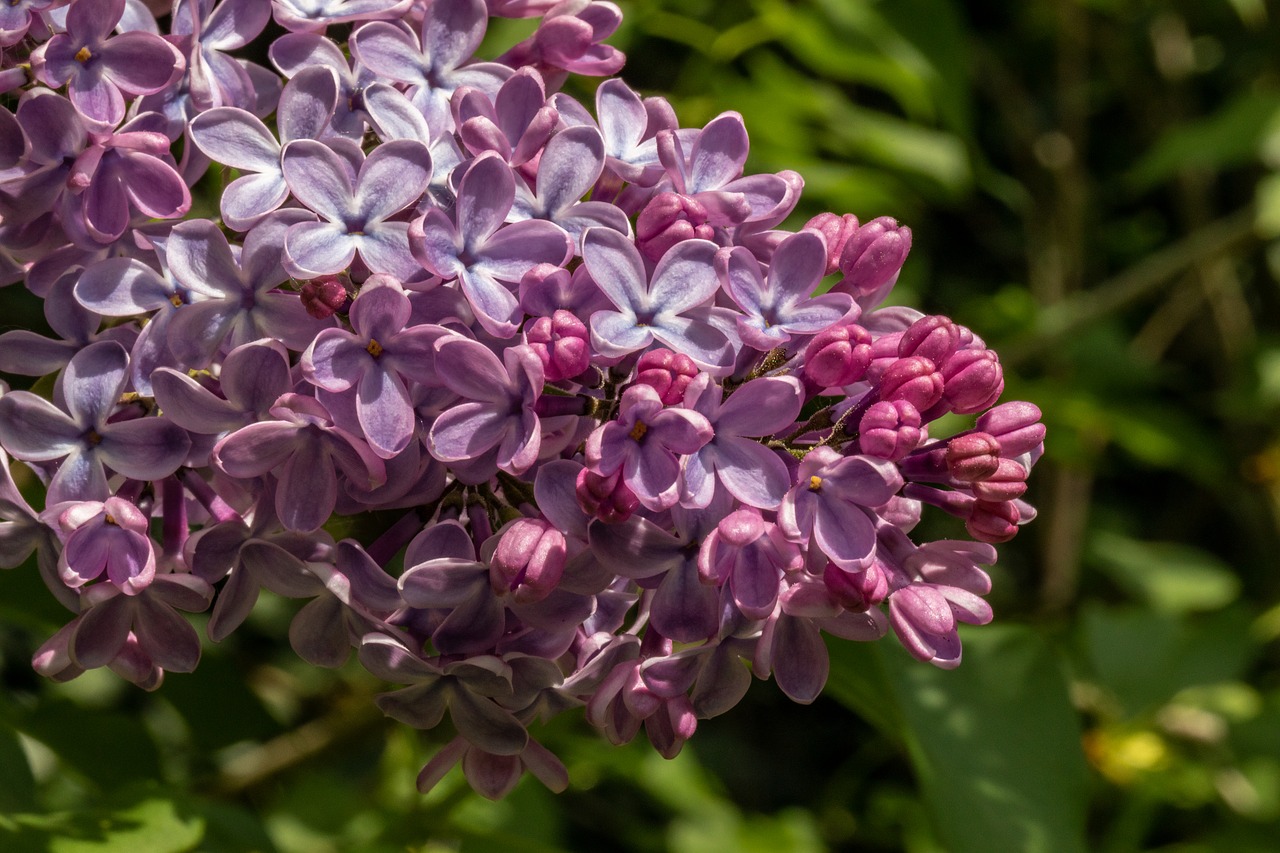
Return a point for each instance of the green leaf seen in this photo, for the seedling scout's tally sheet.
(1171, 577)
(17, 787)
(995, 743)
(154, 825)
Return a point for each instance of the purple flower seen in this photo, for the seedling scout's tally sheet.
(355, 208)
(751, 472)
(780, 305)
(480, 252)
(297, 52)
(307, 16)
(671, 307)
(516, 122)
(215, 79)
(240, 303)
(643, 444)
(99, 70)
(111, 619)
(498, 416)
(239, 139)
(374, 363)
(830, 503)
(302, 448)
(750, 555)
(79, 432)
(436, 64)
(567, 169)
(106, 538)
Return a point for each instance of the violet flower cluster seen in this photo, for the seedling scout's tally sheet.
(619, 440)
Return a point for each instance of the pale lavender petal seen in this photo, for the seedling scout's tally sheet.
(121, 287)
(703, 343)
(256, 449)
(616, 267)
(496, 307)
(471, 369)
(685, 277)
(390, 52)
(615, 334)
(308, 488)
(315, 248)
(247, 199)
(513, 250)
(453, 31)
(762, 406)
(844, 533)
(484, 197)
(27, 354)
(319, 179)
(307, 104)
(569, 165)
(236, 138)
(154, 187)
(385, 249)
(139, 63)
(719, 154)
(199, 257)
(386, 414)
(466, 431)
(93, 380)
(394, 176)
(394, 116)
(800, 662)
(234, 23)
(196, 332)
(752, 472)
(144, 448)
(80, 477)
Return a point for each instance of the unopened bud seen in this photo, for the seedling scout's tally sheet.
(667, 372)
(914, 379)
(974, 380)
(323, 297)
(993, 522)
(972, 457)
(872, 259)
(560, 342)
(838, 356)
(668, 219)
(528, 561)
(1016, 425)
(836, 230)
(607, 498)
(890, 429)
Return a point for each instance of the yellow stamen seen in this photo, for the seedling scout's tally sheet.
(176, 300)
(815, 483)
(110, 519)
(83, 55)
(638, 431)
(374, 348)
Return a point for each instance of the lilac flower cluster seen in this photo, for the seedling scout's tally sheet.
(617, 452)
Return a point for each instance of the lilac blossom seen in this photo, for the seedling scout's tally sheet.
(750, 471)
(355, 209)
(100, 69)
(670, 306)
(78, 430)
(498, 415)
(375, 362)
(633, 484)
(237, 138)
(481, 253)
(780, 304)
(304, 451)
(433, 64)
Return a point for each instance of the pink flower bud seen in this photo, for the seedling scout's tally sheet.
(972, 457)
(667, 372)
(890, 429)
(914, 379)
(1015, 425)
(856, 591)
(323, 297)
(872, 259)
(528, 561)
(974, 380)
(1006, 483)
(993, 522)
(561, 344)
(935, 337)
(668, 219)
(607, 498)
(836, 230)
(838, 356)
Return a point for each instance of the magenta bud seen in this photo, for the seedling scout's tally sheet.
(323, 297)
(561, 344)
(993, 522)
(1006, 483)
(836, 230)
(873, 257)
(670, 218)
(914, 379)
(838, 356)
(972, 457)
(607, 498)
(528, 561)
(856, 591)
(1015, 425)
(935, 337)
(974, 380)
(667, 372)
(889, 429)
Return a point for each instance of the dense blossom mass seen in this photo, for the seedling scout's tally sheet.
(622, 441)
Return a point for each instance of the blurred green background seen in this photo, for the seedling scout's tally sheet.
(1094, 188)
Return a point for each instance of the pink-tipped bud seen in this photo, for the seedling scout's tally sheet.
(974, 380)
(836, 230)
(528, 561)
(935, 337)
(607, 498)
(668, 219)
(1006, 483)
(993, 522)
(1015, 425)
(856, 591)
(323, 297)
(838, 356)
(890, 429)
(972, 457)
(872, 259)
(914, 379)
(667, 372)
(561, 344)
